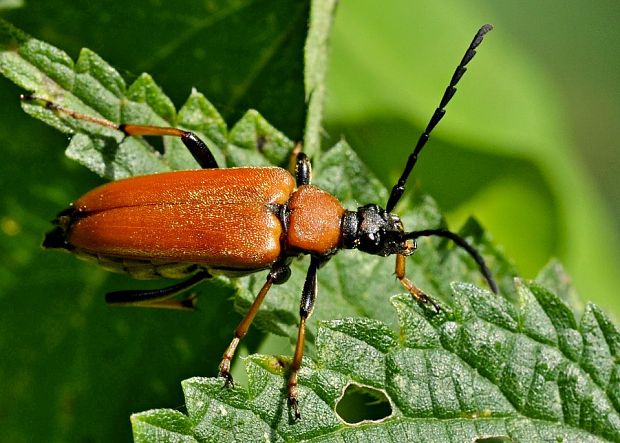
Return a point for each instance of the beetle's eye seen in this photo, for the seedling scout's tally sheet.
(398, 224)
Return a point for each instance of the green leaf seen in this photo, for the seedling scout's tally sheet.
(477, 372)
(315, 61)
(90, 366)
(483, 368)
(94, 88)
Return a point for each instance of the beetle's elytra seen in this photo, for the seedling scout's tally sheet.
(236, 221)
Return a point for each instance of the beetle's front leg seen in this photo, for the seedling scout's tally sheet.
(279, 274)
(416, 292)
(308, 297)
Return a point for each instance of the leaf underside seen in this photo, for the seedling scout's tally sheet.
(519, 365)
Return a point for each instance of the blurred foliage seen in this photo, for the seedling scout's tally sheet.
(507, 152)
(536, 112)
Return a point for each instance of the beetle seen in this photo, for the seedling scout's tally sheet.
(236, 221)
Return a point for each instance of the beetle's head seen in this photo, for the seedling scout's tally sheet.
(375, 231)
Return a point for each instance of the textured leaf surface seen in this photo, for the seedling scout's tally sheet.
(93, 87)
(481, 369)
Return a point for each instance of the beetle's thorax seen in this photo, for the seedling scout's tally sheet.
(373, 230)
(313, 222)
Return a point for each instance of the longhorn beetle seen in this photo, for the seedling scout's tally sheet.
(236, 221)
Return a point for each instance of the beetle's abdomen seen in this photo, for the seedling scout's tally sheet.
(314, 221)
(217, 218)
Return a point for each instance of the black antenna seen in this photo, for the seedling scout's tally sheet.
(399, 187)
(460, 241)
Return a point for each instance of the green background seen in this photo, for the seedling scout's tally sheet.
(528, 146)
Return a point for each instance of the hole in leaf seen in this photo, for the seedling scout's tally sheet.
(502, 439)
(363, 403)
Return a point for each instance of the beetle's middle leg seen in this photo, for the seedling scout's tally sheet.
(199, 149)
(308, 297)
(279, 274)
(416, 292)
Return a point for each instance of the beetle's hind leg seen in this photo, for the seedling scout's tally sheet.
(158, 298)
(416, 292)
(199, 149)
(280, 273)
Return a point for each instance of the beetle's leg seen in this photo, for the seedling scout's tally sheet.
(158, 298)
(300, 166)
(199, 150)
(303, 167)
(279, 273)
(308, 297)
(416, 292)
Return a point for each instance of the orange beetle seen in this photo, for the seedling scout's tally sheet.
(235, 221)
